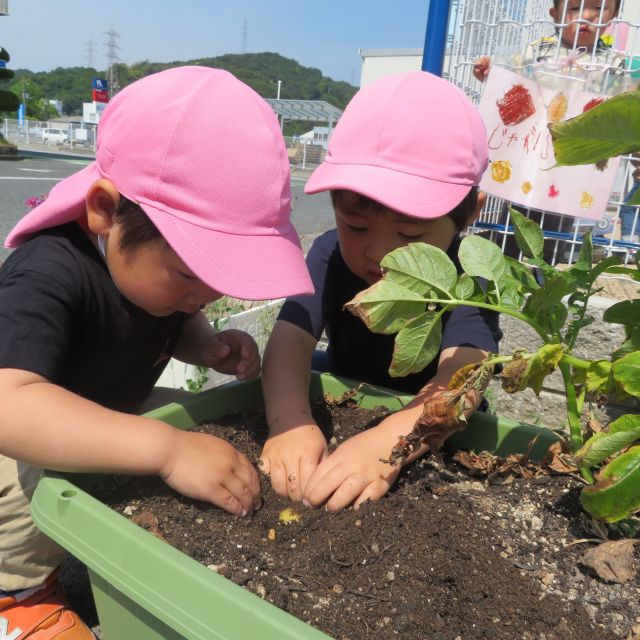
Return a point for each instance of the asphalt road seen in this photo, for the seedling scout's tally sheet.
(22, 179)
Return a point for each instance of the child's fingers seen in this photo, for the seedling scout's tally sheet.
(226, 500)
(294, 489)
(307, 466)
(278, 476)
(373, 491)
(248, 474)
(322, 484)
(350, 488)
(241, 491)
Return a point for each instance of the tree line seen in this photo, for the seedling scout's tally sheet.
(261, 71)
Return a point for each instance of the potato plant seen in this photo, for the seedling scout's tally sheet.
(421, 283)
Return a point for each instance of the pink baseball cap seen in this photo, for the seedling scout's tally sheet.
(203, 155)
(412, 141)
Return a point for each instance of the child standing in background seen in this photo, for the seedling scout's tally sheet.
(403, 166)
(188, 199)
(583, 50)
(581, 42)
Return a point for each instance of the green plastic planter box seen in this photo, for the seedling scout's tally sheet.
(145, 589)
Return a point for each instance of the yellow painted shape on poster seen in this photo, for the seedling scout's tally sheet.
(500, 170)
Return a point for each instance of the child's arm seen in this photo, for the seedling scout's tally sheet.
(231, 351)
(354, 472)
(45, 425)
(295, 445)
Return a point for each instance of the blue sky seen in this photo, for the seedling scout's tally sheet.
(42, 34)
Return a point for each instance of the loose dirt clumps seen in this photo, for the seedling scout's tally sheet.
(444, 555)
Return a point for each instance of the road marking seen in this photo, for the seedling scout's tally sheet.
(29, 178)
(36, 170)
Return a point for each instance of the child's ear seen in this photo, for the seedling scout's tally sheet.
(102, 202)
(553, 12)
(482, 199)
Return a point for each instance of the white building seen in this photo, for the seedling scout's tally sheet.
(318, 136)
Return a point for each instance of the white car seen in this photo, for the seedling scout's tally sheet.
(54, 136)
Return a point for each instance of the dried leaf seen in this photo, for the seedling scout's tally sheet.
(612, 561)
(148, 522)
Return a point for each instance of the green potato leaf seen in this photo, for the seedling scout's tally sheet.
(617, 436)
(529, 236)
(467, 288)
(598, 377)
(416, 345)
(608, 130)
(385, 307)
(482, 258)
(545, 306)
(631, 344)
(522, 274)
(420, 267)
(616, 494)
(626, 372)
(625, 312)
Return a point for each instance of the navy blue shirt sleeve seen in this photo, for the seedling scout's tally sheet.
(472, 327)
(309, 311)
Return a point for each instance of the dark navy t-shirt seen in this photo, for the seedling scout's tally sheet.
(355, 351)
(62, 317)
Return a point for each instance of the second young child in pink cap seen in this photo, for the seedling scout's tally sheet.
(403, 166)
(188, 199)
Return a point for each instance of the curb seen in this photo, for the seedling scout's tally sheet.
(58, 155)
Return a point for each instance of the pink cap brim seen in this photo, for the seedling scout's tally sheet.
(412, 195)
(66, 202)
(258, 267)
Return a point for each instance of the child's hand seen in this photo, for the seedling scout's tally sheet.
(290, 458)
(204, 467)
(353, 472)
(234, 352)
(481, 68)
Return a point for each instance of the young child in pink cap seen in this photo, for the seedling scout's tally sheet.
(188, 199)
(403, 166)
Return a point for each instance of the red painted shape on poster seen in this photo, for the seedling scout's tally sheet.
(516, 105)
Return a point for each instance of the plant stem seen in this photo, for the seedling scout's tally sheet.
(573, 416)
(492, 307)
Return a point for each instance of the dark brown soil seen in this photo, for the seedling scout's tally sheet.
(443, 556)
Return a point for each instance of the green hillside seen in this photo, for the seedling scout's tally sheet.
(261, 71)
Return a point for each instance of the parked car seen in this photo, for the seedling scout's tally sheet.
(54, 136)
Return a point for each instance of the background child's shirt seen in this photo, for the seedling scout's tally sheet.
(599, 69)
(357, 352)
(62, 316)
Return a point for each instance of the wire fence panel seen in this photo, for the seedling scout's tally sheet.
(508, 31)
(41, 135)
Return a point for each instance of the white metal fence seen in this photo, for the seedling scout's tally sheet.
(303, 154)
(38, 134)
(502, 29)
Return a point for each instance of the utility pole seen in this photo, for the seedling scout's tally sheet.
(244, 36)
(112, 59)
(88, 50)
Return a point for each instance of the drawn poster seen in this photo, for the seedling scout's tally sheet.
(516, 111)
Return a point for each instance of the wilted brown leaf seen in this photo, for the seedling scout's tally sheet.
(148, 521)
(612, 561)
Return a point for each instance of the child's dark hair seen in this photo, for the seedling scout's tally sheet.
(135, 225)
(460, 215)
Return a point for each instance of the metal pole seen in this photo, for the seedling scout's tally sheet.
(435, 40)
